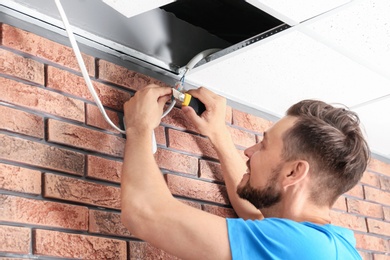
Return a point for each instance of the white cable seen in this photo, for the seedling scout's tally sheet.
(190, 65)
(82, 66)
(166, 112)
(197, 58)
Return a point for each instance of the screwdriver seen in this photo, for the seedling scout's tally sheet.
(188, 100)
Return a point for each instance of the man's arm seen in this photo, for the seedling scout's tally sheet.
(149, 210)
(212, 124)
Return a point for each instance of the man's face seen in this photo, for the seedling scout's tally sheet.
(264, 197)
(261, 185)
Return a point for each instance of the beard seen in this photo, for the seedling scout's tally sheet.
(262, 197)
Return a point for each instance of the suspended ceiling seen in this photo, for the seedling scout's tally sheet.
(337, 51)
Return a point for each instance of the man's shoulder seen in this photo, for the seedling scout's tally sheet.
(283, 238)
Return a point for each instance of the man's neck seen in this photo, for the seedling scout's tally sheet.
(299, 211)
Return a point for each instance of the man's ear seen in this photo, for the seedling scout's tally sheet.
(297, 171)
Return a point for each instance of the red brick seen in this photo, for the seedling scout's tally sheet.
(176, 118)
(71, 189)
(340, 204)
(242, 138)
(379, 166)
(159, 133)
(220, 211)
(385, 183)
(81, 137)
(15, 239)
(95, 118)
(386, 213)
(191, 143)
(41, 100)
(44, 48)
(377, 195)
(122, 76)
(59, 244)
(348, 221)
(19, 179)
(70, 83)
(365, 255)
(42, 155)
(176, 162)
(197, 189)
(104, 169)
(210, 170)
(242, 154)
(191, 203)
(373, 243)
(107, 223)
(356, 191)
(143, 250)
(45, 213)
(378, 227)
(250, 122)
(370, 178)
(364, 208)
(14, 120)
(20, 67)
(382, 256)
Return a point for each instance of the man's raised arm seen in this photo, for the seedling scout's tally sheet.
(212, 124)
(149, 210)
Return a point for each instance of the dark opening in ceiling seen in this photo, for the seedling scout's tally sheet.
(231, 20)
(167, 37)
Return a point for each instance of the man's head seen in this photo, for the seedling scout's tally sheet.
(324, 140)
(331, 140)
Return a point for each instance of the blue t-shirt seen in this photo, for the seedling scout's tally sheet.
(276, 238)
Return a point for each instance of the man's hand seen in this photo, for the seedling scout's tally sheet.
(149, 210)
(212, 124)
(212, 121)
(143, 111)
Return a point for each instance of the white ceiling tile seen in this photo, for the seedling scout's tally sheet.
(272, 75)
(362, 29)
(376, 122)
(297, 10)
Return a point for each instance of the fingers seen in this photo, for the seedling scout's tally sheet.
(156, 90)
(191, 115)
(162, 100)
(203, 94)
(144, 109)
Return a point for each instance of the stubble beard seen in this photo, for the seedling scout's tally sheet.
(265, 197)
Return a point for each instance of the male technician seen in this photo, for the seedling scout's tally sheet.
(294, 175)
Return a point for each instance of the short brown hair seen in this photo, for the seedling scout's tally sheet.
(331, 140)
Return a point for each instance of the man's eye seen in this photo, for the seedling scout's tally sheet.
(261, 145)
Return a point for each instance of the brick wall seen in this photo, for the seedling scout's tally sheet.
(60, 163)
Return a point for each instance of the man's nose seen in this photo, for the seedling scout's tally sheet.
(250, 150)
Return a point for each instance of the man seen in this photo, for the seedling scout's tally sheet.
(294, 175)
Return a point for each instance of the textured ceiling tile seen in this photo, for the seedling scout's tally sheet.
(298, 10)
(363, 30)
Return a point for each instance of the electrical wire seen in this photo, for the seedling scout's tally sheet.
(83, 67)
(190, 65)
